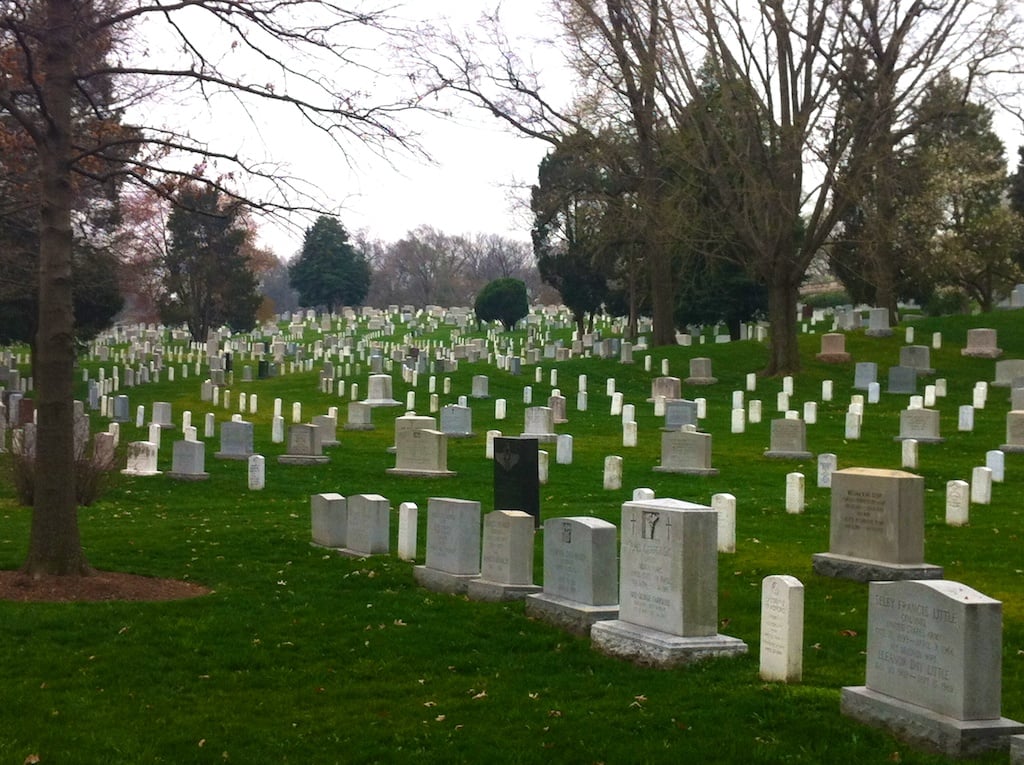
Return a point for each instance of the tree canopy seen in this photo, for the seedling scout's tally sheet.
(207, 280)
(330, 271)
(502, 300)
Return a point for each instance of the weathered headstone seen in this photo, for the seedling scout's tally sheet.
(878, 323)
(833, 349)
(581, 583)
(865, 373)
(329, 519)
(667, 387)
(141, 459)
(368, 526)
(668, 587)
(922, 425)
(328, 426)
(236, 441)
(304, 447)
(188, 461)
(506, 565)
(788, 440)
(876, 527)
(421, 453)
(453, 545)
(902, 380)
(700, 373)
(917, 357)
(679, 412)
(540, 424)
(934, 668)
(1014, 432)
(457, 421)
(981, 343)
(378, 391)
(687, 452)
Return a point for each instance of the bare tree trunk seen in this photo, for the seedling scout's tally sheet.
(784, 349)
(55, 545)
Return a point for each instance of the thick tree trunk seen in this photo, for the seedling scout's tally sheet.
(55, 546)
(662, 292)
(784, 355)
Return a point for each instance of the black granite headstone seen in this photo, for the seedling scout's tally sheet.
(516, 480)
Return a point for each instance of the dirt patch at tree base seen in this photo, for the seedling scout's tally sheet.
(99, 586)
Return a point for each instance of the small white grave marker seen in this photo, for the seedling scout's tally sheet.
(782, 628)
(957, 503)
(794, 493)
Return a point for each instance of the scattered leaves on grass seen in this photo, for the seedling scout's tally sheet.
(536, 696)
(848, 633)
(32, 759)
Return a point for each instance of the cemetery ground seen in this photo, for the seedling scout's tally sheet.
(300, 655)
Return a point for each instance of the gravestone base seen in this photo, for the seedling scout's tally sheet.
(700, 380)
(345, 552)
(188, 476)
(460, 435)
(920, 439)
(380, 402)
(421, 473)
(686, 471)
(923, 728)
(544, 438)
(356, 426)
(924, 371)
(654, 648)
(878, 333)
(329, 444)
(1012, 448)
(783, 455)
(126, 471)
(436, 580)
(496, 592)
(834, 358)
(865, 570)
(982, 353)
(1017, 750)
(569, 615)
(232, 456)
(303, 459)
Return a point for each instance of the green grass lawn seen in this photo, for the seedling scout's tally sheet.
(302, 656)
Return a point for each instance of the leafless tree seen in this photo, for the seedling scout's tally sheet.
(296, 55)
(786, 161)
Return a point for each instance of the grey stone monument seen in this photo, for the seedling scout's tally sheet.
(581, 577)
(876, 527)
(668, 587)
(934, 668)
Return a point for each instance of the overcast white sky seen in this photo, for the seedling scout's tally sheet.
(480, 172)
(477, 181)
